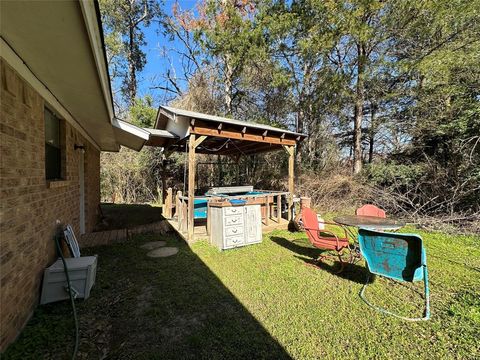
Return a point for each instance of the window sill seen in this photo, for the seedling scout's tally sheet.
(55, 184)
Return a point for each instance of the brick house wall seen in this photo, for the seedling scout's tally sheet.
(29, 204)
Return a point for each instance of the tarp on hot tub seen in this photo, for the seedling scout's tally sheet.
(200, 204)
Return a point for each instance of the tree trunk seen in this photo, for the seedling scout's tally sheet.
(372, 133)
(370, 148)
(359, 98)
(228, 70)
(299, 129)
(132, 76)
(228, 85)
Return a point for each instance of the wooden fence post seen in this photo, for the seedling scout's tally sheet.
(290, 149)
(168, 204)
(279, 208)
(267, 211)
(177, 203)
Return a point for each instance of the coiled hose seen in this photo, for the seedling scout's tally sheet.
(58, 236)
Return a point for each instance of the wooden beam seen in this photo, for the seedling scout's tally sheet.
(289, 149)
(199, 141)
(200, 150)
(246, 146)
(238, 135)
(191, 186)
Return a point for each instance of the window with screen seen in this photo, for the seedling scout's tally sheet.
(53, 146)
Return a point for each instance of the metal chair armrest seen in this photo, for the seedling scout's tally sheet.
(335, 224)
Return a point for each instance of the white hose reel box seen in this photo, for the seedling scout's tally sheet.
(81, 271)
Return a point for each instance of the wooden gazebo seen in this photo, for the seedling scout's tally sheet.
(192, 132)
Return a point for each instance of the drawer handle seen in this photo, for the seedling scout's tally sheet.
(234, 220)
(234, 231)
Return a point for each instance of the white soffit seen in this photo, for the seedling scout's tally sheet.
(52, 39)
(160, 138)
(129, 135)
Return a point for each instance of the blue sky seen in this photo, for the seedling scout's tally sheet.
(158, 63)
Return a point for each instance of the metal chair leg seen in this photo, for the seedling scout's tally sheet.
(384, 311)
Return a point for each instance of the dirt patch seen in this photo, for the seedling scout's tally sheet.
(153, 245)
(163, 252)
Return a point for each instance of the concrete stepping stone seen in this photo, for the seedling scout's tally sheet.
(163, 252)
(153, 245)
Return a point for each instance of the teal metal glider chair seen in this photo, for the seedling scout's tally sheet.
(396, 256)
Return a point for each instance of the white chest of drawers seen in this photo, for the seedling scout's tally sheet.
(233, 226)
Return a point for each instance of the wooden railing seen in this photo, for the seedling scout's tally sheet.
(269, 200)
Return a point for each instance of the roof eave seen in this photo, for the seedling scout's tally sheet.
(219, 120)
(129, 135)
(91, 15)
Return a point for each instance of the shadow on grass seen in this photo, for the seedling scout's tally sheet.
(150, 308)
(351, 272)
(121, 216)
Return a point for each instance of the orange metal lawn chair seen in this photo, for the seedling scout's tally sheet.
(327, 240)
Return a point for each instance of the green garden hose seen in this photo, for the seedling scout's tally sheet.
(70, 292)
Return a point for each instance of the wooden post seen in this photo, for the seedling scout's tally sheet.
(191, 186)
(168, 204)
(208, 218)
(180, 214)
(305, 202)
(184, 215)
(267, 212)
(192, 144)
(177, 203)
(291, 180)
(279, 208)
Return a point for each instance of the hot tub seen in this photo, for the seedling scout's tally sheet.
(235, 192)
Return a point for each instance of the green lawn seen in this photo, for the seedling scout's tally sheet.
(260, 301)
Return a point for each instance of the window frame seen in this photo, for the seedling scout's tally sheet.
(60, 171)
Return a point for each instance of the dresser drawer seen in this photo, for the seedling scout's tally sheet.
(233, 220)
(233, 230)
(235, 240)
(234, 210)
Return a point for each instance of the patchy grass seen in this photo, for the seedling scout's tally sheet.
(257, 302)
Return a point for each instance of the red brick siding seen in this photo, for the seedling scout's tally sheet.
(29, 207)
